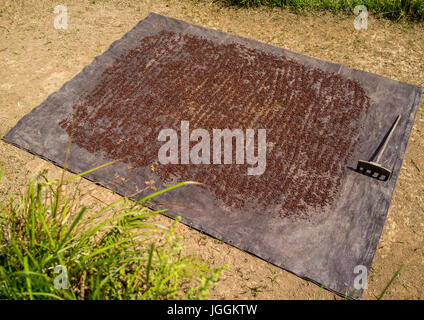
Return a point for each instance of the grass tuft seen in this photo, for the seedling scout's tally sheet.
(53, 247)
(392, 9)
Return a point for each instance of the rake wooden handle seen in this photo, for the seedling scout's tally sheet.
(380, 153)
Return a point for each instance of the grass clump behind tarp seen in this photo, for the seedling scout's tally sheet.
(123, 256)
(394, 9)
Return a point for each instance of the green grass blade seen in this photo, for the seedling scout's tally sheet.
(165, 190)
(390, 283)
(98, 251)
(149, 263)
(90, 170)
(44, 294)
(71, 228)
(27, 278)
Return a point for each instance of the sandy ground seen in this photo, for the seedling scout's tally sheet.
(36, 59)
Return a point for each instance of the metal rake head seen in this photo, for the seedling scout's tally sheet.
(374, 170)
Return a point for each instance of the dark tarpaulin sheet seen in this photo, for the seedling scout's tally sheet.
(310, 212)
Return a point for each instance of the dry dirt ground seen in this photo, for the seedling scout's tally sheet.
(36, 59)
